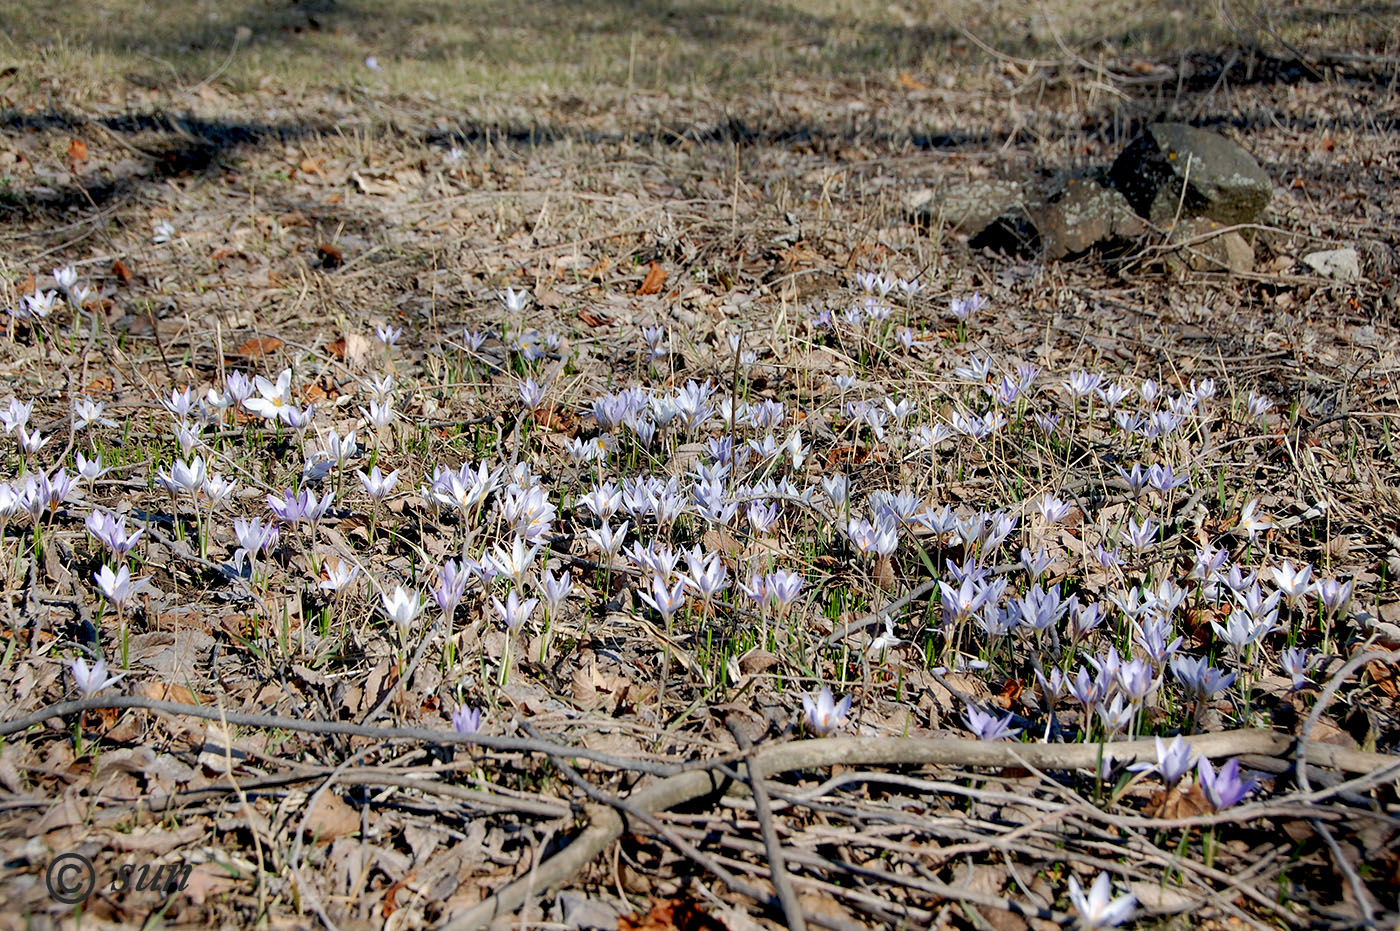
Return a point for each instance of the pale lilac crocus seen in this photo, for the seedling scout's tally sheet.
(90, 681)
(1333, 594)
(402, 607)
(466, 720)
(1174, 760)
(1297, 663)
(989, 726)
(707, 575)
(90, 469)
(255, 536)
(1250, 523)
(1292, 582)
(782, 588)
(1223, 788)
(608, 539)
(1099, 909)
(111, 532)
(184, 476)
(823, 714)
(118, 587)
(338, 574)
(1199, 678)
(514, 613)
(274, 399)
(556, 589)
(452, 586)
(667, 601)
(378, 485)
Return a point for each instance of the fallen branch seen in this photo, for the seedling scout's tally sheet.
(606, 825)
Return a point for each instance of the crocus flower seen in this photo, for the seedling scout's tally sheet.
(1251, 524)
(184, 476)
(607, 539)
(274, 398)
(381, 415)
(707, 576)
(666, 601)
(338, 574)
(823, 713)
(452, 585)
(1053, 509)
(1223, 788)
(782, 588)
(466, 720)
(118, 587)
(1115, 716)
(556, 590)
(377, 485)
(1292, 582)
(91, 681)
(515, 301)
(531, 394)
(1097, 909)
(87, 412)
(1297, 664)
(111, 532)
(402, 607)
(1174, 760)
(90, 469)
(253, 535)
(514, 613)
(1199, 678)
(988, 726)
(516, 561)
(1333, 594)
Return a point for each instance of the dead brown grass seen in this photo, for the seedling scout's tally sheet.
(760, 159)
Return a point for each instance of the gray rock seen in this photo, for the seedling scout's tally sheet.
(584, 912)
(1221, 180)
(1082, 213)
(1208, 246)
(1341, 264)
(966, 206)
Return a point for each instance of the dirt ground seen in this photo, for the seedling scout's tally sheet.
(525, 191)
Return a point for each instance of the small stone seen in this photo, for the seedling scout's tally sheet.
(1212, 247)
(1220, 179)
(1338, 264)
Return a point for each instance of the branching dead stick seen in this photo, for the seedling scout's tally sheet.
(668, 834)
(303, 725)
(876, 617)
(777, 867)
(605, 825)
(1329, 692)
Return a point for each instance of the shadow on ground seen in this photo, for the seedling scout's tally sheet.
(166, 145)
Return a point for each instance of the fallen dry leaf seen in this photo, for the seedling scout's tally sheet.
(1178, 804)
(331, 818)
(77, 150)
(257, 347)
(329, 255)
(671, 915)
(656, 277)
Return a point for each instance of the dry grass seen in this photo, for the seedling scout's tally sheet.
(760, 159)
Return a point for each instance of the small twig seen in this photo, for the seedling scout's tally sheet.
(777, 868)
(1328, 693)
